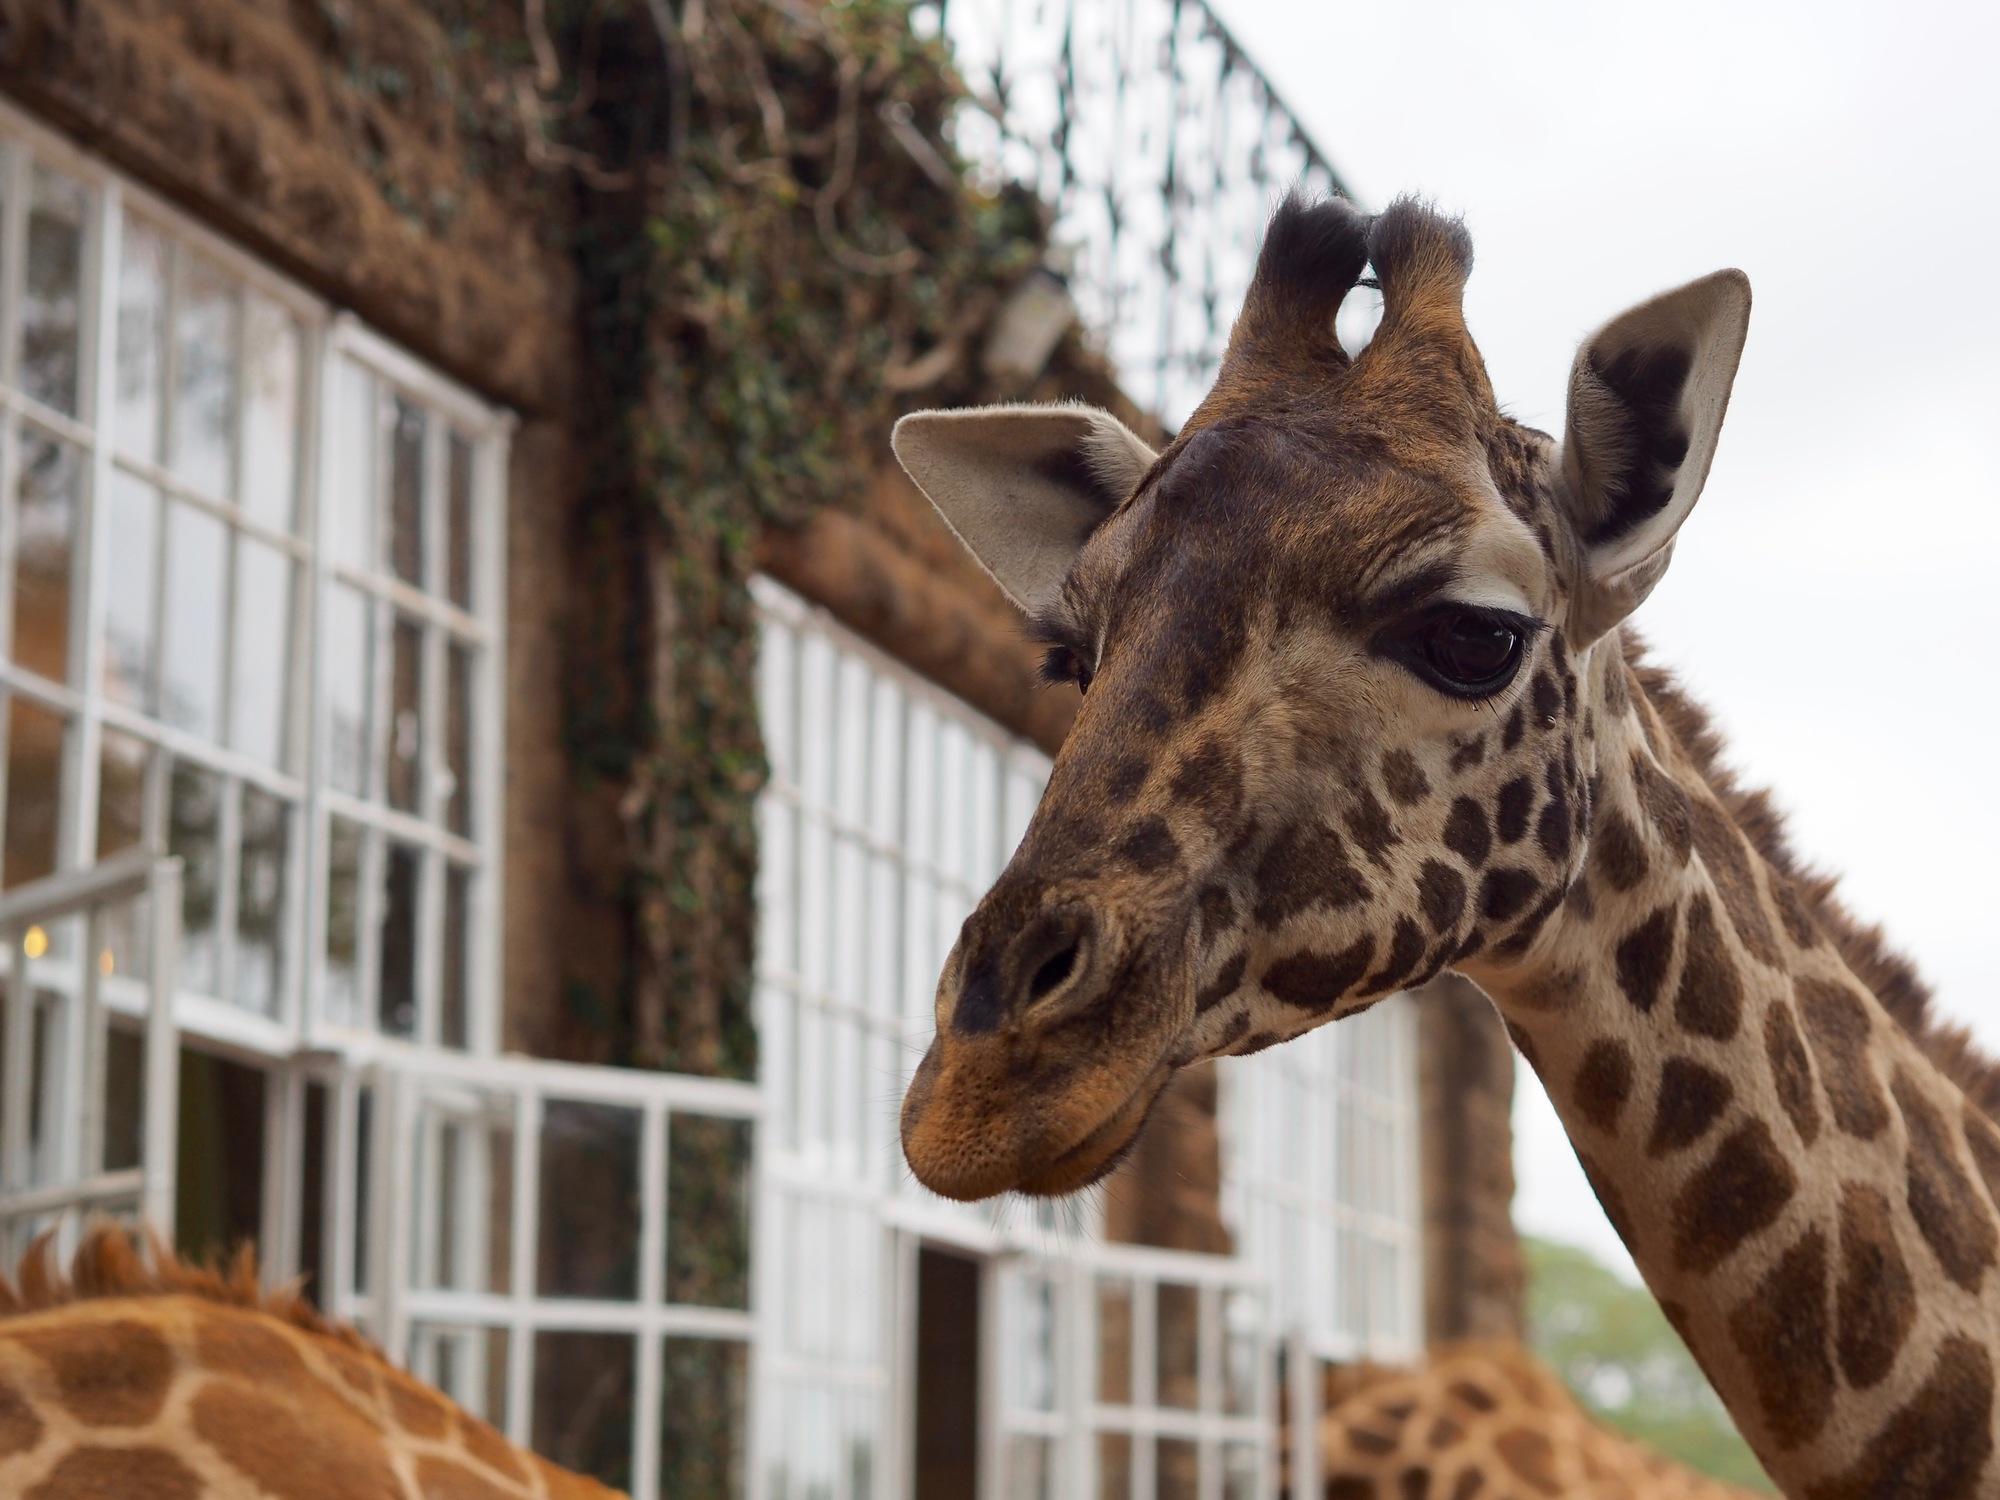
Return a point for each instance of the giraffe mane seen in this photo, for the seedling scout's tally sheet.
(108, 1265)
(1863, 946)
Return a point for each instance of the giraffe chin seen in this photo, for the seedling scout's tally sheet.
(1099, 1153)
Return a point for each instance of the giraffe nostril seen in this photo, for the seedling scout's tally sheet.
(1053, 971)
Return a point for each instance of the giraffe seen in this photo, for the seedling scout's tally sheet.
(1484, 1419)
(176, 1382)
(1362, 704)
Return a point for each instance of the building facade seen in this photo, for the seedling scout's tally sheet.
(321, 925)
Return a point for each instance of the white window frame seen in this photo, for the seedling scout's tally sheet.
(80, 701)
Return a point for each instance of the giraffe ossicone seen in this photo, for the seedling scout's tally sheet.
(1361, 705)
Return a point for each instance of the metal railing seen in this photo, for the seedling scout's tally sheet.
(1162, 150)
(53, 1079)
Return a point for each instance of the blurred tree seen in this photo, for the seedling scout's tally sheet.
(1614, 1348)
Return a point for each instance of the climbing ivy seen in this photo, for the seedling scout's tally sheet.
(779, 251)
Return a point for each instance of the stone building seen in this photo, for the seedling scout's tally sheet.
(445, 505)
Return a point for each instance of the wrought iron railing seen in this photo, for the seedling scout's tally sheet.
(1162, 150)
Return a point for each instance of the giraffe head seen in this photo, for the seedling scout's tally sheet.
(1332, 738)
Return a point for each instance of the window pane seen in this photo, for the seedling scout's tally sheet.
(1241, 1464)
(1179, 1336)
(708, 1211)
(1241, 1352)
(589, 1240)
(261, 666)
(131, 572)
(342, 978)
(469, 1365)
(704, 1407)
(584, 1404)
(458, 502)
(52, 302)
(47, 493)
(466, 1242)
(349, 526)
(34, 788)
(219, 1181)
(1179, 1469)
(122, 765)
(1030, 1468)
(454, 1025)
(260, 900)
(396, 994)
(270, 413)
(1114, 1343)
(1114, 1466)
(204, 420)
(124, 1096)
(406, 492)
(406, 717)
(458, 738)
(197, 583)
(347, 651)
(142, 338)
(194, 832)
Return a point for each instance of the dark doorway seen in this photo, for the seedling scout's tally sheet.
(947, 1375)
(220, 1188)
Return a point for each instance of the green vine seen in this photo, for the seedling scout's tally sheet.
(780, 252)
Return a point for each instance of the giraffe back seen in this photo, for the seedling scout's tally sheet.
(178, 1383)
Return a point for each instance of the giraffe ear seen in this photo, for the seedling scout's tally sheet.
(1646, 398)
(1022, 486)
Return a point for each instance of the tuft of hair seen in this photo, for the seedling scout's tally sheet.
(108, 1265)
(1863, 947)
(1416, 250)
(1312, 255)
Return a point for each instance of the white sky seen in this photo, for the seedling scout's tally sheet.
(1832, 599)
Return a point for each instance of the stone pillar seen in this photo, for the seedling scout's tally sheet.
(1473, 1275)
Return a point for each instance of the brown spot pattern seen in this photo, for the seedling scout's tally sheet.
(87, 1473)
(1621, 858)
(1738, 1193)
(1531, 1456)
(1406, 950)
(1692, 1098)
(1875, 1302)
(1306, 866)
(1665, 806)
(1317, 981)
(1983, 1141)
(1466, 833)
(20, 1428)
(1517, 800)
(441, 1479)
(1953, 1217)
(417, 1411)
(1781, 1331)
(1937, 1444)
(1791, 1070)
(113, 1373)
(1505, 891)
(1370, 826)
(1709, 1001)
(326, 1459)
(1404, 778)
(1603, 1083)
(1223, 985)
(247, 1349)
(1727, 861)
(1441, 893)
(1837, 1027)
(1643, 956)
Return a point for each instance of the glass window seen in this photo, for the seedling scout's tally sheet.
(589, 1238)
(47, 507)
(236, 581)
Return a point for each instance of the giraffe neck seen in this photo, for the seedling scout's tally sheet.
(1796, 1180)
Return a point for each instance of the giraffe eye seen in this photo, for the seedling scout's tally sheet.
(1463, 650)
(1062, 664)
(1469, 653)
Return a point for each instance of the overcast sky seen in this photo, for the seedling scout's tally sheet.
(1833, 598)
